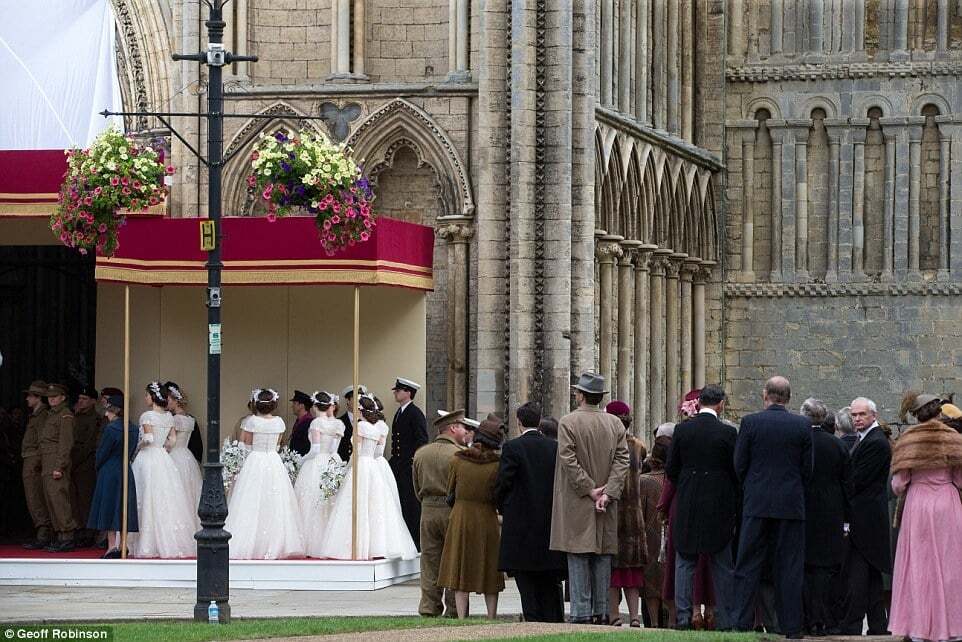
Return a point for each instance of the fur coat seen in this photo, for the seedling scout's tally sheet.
(632, 541)
(927, 446)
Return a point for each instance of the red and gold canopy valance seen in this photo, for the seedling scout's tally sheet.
(164, 251)
(30, 180)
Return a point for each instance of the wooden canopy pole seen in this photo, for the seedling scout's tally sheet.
(354, 436)
(123, 425)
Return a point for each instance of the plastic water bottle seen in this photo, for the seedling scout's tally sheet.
(213, 613)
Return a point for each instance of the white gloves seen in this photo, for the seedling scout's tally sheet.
(315, 451)
(148, 438)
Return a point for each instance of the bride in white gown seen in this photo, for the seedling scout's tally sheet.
(262, 513)
(167, 522)
(381, 532)
(325, 434)
(187, 466)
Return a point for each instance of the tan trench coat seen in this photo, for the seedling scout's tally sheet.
(592, 452)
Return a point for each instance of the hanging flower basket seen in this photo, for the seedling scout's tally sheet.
(307, 171)
(113, 175)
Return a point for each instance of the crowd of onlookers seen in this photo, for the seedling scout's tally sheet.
(812, 523)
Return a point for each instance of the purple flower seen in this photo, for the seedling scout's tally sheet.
(285, 166)
(281, 138)
(290, 155)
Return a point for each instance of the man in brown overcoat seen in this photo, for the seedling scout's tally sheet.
(592, 463)
(32, 467)
(56, 442)
(432, 467)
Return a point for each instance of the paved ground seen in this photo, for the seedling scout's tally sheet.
(449, 633)
(47, 603)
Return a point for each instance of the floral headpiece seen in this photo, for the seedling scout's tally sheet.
(175, 392)
(316, 398)
(370, 395)
(154, 387)
(256, 392)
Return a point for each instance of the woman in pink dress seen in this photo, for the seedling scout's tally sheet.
(927, 583)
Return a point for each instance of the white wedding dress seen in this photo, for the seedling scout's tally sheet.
(381, 532)
(166, 518)
(187, 466)
(262, 515)
(326, 433)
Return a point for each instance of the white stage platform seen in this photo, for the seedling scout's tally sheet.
(299, 575)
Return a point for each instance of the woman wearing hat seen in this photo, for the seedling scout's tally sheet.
(469, 561)
(927, 470)
(106, 507)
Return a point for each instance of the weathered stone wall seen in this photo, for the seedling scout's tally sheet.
(839, 347)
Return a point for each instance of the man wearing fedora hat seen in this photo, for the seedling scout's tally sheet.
(432, 465)
(33, 467)
(590, 474)
(409, 431)
(56, 443)
(83, 472)
(301, 405)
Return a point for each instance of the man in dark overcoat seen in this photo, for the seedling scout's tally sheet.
(524, 495)
(870, 553)
(773, 459)
(409, 431)
(701, 465)
(825, 517)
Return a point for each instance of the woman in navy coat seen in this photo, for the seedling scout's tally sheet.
(105, 509)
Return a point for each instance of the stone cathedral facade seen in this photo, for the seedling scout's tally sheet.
(672, 192)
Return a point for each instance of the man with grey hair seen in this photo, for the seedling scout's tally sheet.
(845, 429)
(870, 553)
(824, 522)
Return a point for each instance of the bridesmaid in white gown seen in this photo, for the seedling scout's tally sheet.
(325, 434)
(381, 532)
(262, 511)
(167, 523)
(187, 466)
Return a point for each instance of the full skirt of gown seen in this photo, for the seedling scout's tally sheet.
(190, 475)
(927, 584)
(262, 514)
(166, 522)
(381, 531)
(315, 512)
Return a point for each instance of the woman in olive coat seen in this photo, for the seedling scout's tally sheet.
(469, 561)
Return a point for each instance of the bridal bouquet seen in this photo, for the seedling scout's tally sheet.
(232, 456)
(305, 170)
(114, 174)
(331, 479)
(292, 462)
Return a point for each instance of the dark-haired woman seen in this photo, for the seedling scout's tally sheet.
(187, 466)
(106, 507)
(262, 514)
(381, 531)
(325, 434)
(167, 523)
(469, 561)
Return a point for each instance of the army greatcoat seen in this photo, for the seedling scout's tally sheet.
(56, 444)
(33, 474)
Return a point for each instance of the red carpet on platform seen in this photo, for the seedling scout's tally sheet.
(9, 551)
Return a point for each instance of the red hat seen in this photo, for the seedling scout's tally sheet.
(618, 408)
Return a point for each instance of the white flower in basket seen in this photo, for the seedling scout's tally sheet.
(232, 456)
(331, 479)
(292, 462)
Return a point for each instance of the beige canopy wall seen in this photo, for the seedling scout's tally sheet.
(283, 337)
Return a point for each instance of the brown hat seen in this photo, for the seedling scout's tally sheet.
(923, 399)
(37, 388)
(55, 389)
(448, 418)
(492, 427)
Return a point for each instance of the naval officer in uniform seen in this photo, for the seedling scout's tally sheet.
(409, 431)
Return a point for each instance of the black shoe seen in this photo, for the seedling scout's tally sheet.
(794, 636)
(37, 544)
(683, 626)
(112, 554)
(63, 546)
(599, 620)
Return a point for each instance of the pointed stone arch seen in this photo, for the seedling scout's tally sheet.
(399, 124)
(144, 64)
(236, 199)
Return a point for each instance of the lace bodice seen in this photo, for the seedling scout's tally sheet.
(327, 432)
(266, 432)
(161, 423)
(184, 425)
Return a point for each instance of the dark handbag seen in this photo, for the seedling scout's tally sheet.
(450, 499)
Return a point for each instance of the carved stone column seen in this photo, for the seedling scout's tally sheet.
(801, 200)
(457, 231)
(626, 293)
(901, 31)
(748, 205)
(659, 263)
(608, 251)
(859, 127)
(915, 193)
(888, 241)
(736, 45)
(945, 150)
(642, 62)
(688, 269)
(625, 44)
(778, 132)
(359, 38)
(942, 33)
(834, 175)
(340, 38)
(674, 68)
(672, 333)
(642, 351)
(607, 51)
(702, 276)
(459, 16)
(816, 43)
(777, 26)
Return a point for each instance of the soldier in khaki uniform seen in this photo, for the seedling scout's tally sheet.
(56, 443)
(432, 464)
(83, 471)
(32, 467)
